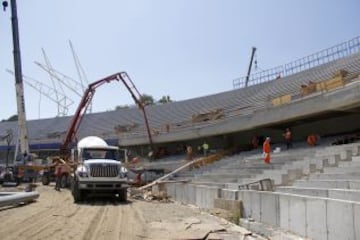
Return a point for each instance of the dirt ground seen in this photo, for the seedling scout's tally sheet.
(55, 216)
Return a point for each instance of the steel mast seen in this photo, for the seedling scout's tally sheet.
(20, 100)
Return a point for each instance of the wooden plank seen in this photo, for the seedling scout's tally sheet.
(172, 173)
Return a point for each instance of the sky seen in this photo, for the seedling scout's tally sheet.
(181, 48)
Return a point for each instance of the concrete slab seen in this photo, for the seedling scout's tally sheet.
(354, 184)
(205, 196)
(251, 204)
(316, 227)
(234, 206)
(229, 194)
(180, 192)
(170, 190)
(340, 220)
(335, 176)
(191, 194)
(284, 207)
(356, 211)
(315, 192)
(269, 207)
(349, 169)
(345, 194)
(297, 214)
(232, 186)
(323, 183)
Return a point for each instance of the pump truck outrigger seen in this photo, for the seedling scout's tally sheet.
(97, 174)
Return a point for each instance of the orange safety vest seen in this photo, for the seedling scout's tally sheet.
(266, 150)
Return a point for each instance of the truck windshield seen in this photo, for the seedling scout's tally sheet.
(100, 154)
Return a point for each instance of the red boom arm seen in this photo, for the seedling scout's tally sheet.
(86, 100)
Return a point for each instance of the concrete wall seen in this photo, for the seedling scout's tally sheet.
(313, 217)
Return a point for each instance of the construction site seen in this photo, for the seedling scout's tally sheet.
(191, 169)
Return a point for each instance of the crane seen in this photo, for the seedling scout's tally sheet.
(86, 100)
(63, 102)
(80, 70)
(67, 81)
(250, 65)
(19, 86)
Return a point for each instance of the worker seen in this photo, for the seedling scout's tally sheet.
(189, 153)
(205, 148)
(312, 140)
(27, 157)
(255, 142)
(266, 150)
(58, 172)
(288, 138)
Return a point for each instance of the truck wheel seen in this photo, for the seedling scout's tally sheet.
(45, 180)
(123, 195)
(76, 192)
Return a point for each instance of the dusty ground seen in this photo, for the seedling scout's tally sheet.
(55, 216)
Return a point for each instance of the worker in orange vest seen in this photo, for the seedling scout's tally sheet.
(266, 150)
(312, 139)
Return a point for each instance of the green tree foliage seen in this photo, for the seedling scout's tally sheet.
(11, 119)
(121, 107)
(147, 99)
(165, 99)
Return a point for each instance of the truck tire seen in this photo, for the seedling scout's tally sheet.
(78, 195)
(45, 180)
(123, 195)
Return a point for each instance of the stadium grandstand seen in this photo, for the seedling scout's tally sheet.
(312, 91)
(312, 192)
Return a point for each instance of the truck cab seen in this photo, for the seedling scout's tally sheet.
(98, 170)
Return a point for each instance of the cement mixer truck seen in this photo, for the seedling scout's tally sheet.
(98, 170)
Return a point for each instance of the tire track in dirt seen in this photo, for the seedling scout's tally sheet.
(134, 222)
(43, 224)
(95, 224)
(115, 221)
(55, 216)
(109, 226)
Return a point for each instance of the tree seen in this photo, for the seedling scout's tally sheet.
(11, 119)
(165, 99)
(121, 107)
(147, 99)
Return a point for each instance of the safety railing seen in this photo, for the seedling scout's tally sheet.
(327, 55)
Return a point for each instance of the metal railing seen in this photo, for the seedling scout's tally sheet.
(327, 55)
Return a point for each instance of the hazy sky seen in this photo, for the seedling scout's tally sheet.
(181, 48)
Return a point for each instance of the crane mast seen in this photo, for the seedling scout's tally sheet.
(253, 50)
(20, 100)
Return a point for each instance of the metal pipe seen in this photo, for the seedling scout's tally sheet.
(12, 198)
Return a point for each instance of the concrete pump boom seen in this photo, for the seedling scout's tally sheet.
(86, 100)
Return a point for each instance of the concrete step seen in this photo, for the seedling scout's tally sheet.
(349, 164)
(222, 179)
(335, 176)
(342, 184)
(342, 194)
(347, 169)
(234, 171)
(228, 175)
